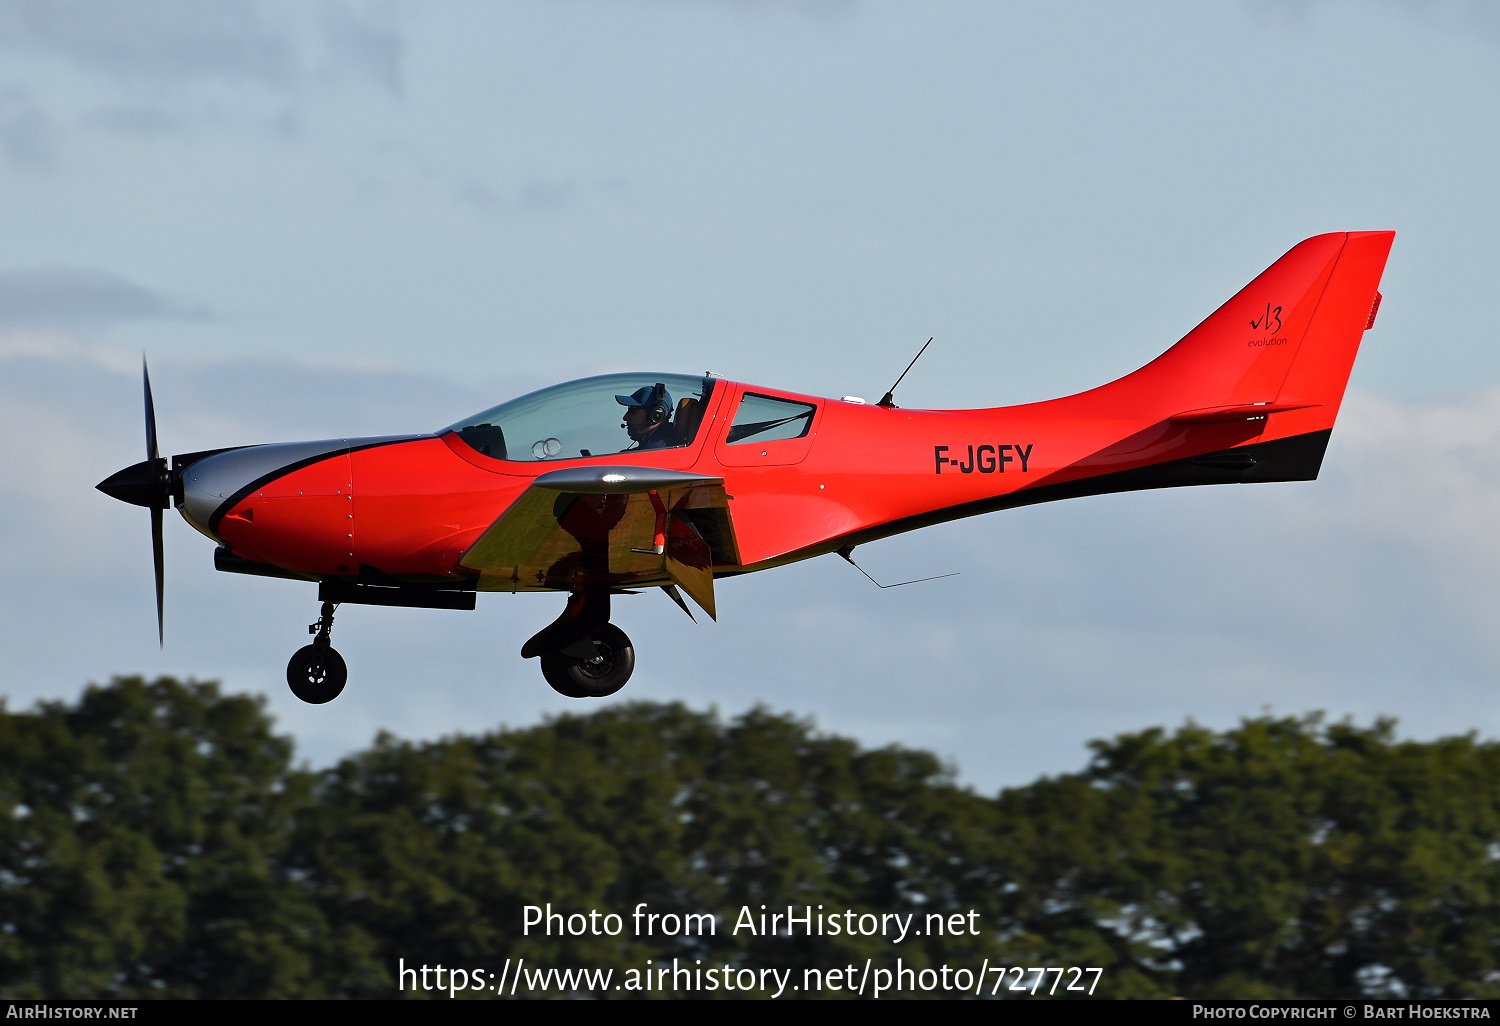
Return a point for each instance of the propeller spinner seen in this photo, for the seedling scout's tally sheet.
(147, 484)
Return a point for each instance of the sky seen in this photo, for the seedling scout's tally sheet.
(345, 218)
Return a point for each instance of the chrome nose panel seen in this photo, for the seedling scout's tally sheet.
(213, 482)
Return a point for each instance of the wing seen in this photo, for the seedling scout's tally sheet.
(621, 526)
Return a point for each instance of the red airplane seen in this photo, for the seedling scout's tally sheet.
(714, 478)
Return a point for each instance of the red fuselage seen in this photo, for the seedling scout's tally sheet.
(412, 508)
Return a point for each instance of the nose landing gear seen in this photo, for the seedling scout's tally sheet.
(316, 672)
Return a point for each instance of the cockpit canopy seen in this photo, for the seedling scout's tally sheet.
(581, 418)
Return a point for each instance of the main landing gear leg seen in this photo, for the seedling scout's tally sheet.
(583, 655)
(317, 673)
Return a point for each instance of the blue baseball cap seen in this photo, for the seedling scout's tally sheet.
(642, 397)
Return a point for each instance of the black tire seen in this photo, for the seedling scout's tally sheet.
(579, 678)
(316, 674)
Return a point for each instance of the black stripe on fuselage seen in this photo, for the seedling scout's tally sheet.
(1296, 458)
(265, 479)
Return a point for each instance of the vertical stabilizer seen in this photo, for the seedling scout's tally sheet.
(1286, 339)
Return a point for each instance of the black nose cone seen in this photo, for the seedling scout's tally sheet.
(140, 485)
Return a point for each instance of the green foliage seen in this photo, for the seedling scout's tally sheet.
(142, 849)
(156, 840)
(1282, 859)
(433, 849)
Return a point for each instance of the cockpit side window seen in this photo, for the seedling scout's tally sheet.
(485, 439)
(586, 418)
(764, 418)
(689, 415)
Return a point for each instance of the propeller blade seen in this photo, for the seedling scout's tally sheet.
(157, 559)
(158, 489)
(151, 451)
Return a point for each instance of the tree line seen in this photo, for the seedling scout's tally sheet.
(157, 839)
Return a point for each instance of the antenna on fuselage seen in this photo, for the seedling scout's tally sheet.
(888, 400)
(848, 553)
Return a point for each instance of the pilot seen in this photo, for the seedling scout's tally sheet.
(648, 417)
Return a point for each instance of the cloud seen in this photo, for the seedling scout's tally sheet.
(472, 190)
(135, 120)
(547, 196)
(817, 10)
(26, 133)
(1477, 17)
(1481, 17)
(537, 196)
(78, 297)
(163, 39)
(179, 40)
(362, 44)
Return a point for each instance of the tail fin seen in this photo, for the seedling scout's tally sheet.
(1285, 342)
(1320, 371)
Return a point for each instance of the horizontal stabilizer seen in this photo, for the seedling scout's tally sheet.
(1244, 411)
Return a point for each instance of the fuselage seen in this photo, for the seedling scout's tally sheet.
(1251, 394)
(411, 506)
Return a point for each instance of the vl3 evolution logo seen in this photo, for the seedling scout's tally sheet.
(1270, 323)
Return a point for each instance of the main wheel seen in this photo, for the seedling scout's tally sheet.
(316, 674)
(596, 678)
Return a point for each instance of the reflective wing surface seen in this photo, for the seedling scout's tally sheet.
(622, 526)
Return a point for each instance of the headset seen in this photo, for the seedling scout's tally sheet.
(658, 406)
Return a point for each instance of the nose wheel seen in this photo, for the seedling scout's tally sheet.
(594, 667)
(317, 673)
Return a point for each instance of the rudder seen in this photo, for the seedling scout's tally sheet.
(1320, 370)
